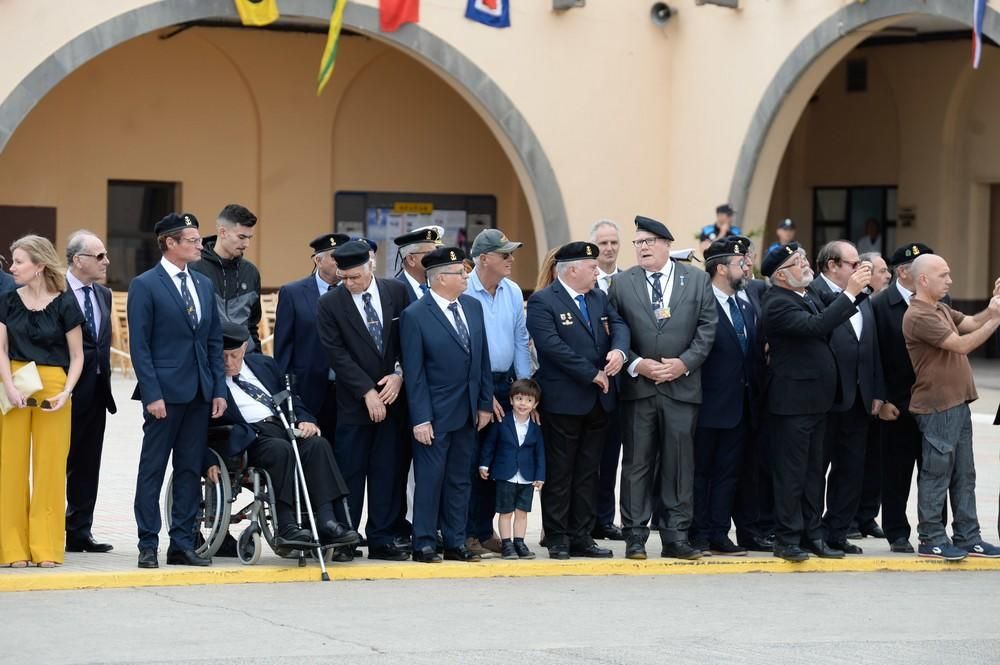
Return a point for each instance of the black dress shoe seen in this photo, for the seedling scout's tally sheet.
(702, 546)
(792, 553)
(294, 537)
(845, 547)
(592, 551)
(726, 547)
(439, 542)
(186, 558)
(387, 553)
(333, 533)
(872, 529)
(560, 552)
(147, 558)
(680, 549)
(402, 543)
(461, 554)
(757, 543)
(343, 554)
(901, 546)
(607, 532)
(822, 550)
(86, 544)
(426, 555)
(635, 549)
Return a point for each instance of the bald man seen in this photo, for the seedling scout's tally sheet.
(939, 340)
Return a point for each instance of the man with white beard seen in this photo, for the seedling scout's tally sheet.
(802, 382)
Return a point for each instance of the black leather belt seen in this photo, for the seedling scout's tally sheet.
(272, 420)
(503, 377)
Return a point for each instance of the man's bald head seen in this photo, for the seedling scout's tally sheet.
(931, 277)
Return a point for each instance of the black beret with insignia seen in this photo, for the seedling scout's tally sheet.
(352, 254)
(777, 257)
(233, 335)
(328, 241)
(371, 243)
(728, 246)
(175, 221)
(425, 234)
(907, 253)
(442, 256)
(577, 251)
(653, 226)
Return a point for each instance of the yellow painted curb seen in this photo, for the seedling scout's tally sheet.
(63, 579)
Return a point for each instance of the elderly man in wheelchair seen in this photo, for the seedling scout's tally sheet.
(257, 430)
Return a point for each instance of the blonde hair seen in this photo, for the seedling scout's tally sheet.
(547, 271)
(43, 253)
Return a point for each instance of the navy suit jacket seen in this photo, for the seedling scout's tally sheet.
(503, 457)
(97, 356)
(570, 353)
(297, 346)
(7, 282)
(445, 384)
(242, 436)
(730, 380)
(173, 359)
(411, 294)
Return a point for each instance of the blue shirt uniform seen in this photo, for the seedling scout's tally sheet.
(506, 333)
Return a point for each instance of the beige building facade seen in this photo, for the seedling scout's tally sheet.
(828, 111)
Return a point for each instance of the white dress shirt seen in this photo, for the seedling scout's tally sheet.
(604, 278)
(173, 271)
(723, 299)
(251, 410)
(667, 289)
(443, 304)
(321, 284)
(522, 432)
(905, 292)
(414, 285)
(81, 297)
(857, 321)
(359, 302)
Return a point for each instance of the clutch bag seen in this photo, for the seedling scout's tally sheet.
(26, 380)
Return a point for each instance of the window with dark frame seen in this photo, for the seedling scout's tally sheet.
(134, 207)
(840, 213)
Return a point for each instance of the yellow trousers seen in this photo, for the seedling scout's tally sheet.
(33, 516)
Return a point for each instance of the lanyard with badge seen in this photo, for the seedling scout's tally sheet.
(661, 311)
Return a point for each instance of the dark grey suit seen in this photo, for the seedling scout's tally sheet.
(658, 421)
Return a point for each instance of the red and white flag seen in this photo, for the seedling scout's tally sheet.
(394, 13)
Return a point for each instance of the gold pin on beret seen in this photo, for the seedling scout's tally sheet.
(452, 256)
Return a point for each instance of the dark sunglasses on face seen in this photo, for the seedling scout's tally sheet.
(99, 257)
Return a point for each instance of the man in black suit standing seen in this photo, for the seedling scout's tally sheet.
(901, 438)
(731, 375)
(861, 391)
(801, 387)
(582, 344)
(359, 327)
(412, 248)
(88, 264)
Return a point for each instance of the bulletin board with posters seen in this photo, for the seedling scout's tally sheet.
(382, 216)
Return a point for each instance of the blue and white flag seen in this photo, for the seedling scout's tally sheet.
(978, 13)
(494, 13)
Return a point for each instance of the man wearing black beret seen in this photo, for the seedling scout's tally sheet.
(732, 376)
(446, 362)
(359, 328)
(412, 248)
(175, 341)
(671, 311)
(802, 385)
(582, 344)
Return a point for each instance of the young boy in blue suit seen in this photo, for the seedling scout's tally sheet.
(514, 456)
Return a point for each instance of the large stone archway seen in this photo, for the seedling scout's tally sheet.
(785, 98)
(519, 142)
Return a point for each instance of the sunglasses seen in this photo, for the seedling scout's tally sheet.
(31, 401)
(502, 255)
(99, 257)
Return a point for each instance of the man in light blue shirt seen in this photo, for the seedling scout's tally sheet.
(507, 337)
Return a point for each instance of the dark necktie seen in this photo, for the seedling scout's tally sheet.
(739, 324)
(424, 289)
(88, 312)
(584, 312)
(810, 304)
(657, 291)
(188, 300)
(329, 286)
(372, 320)
(463, 332)
(256, 393)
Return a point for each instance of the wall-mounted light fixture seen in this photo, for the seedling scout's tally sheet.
(660, 13)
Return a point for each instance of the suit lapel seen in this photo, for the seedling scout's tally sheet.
(436, 312)
(563, 296)
(639, 283)
(387, 308)
(175, 294)
(105, 313)
(728, 325)
(680, 283)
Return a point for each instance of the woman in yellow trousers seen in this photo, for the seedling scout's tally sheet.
(39, 322)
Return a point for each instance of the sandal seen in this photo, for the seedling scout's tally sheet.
(46, 564)
(17, 564)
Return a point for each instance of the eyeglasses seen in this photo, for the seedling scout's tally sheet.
(454, 272)
(644, 242)
(193, 241)
(852, 264)
(742, 263)
(503, 255)
(99, 257)
(31, 401)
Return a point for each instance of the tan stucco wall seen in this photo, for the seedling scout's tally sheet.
(214, 110)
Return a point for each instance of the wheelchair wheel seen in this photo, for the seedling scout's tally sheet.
(249, 545)
(212, 517)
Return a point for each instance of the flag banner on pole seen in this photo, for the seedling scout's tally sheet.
(257, 12)
(494, 13)
(978, 14)
(332, 43)
(394, 13)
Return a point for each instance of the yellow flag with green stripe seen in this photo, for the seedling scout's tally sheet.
(332, 43)
(257, 12)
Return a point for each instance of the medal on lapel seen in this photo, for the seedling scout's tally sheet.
(566, 318)
(607, 329)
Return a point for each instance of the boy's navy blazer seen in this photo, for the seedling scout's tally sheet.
(730, 380)
(503, 457)
(297, 347)
(569, 352)
(445, 385)
(242, 435)
(173, 359)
